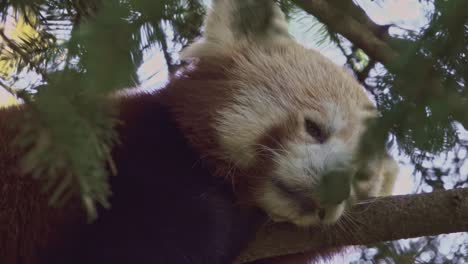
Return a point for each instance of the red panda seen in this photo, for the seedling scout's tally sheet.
(254, 126)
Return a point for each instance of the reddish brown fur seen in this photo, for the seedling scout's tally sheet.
(28, 225)
(196, 113)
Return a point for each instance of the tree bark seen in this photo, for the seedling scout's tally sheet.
(362, 35)
(371, 221)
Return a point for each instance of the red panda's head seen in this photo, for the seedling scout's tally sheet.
(279, 120)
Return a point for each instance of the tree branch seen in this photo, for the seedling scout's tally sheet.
(380, 219)
(350, 27)
(349, 7)
(165, 49)
(9, 89)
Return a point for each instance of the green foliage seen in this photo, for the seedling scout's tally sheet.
(427, 85)
(69, 134)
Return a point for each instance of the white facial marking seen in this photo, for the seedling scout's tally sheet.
(256, 112)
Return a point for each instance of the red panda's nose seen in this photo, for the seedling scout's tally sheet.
(335, 187)
(321, 213)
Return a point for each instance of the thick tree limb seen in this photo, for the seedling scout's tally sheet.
(363, 35)
(380, 219)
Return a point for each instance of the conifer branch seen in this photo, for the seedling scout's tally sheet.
(24, 56)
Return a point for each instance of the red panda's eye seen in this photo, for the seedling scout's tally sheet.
(314, 130)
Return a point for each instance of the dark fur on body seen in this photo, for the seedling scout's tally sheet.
(166, 206)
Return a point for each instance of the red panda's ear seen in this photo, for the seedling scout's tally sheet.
(231, 22)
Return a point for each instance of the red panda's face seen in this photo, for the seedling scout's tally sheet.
(278, 113)
(294, 120)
